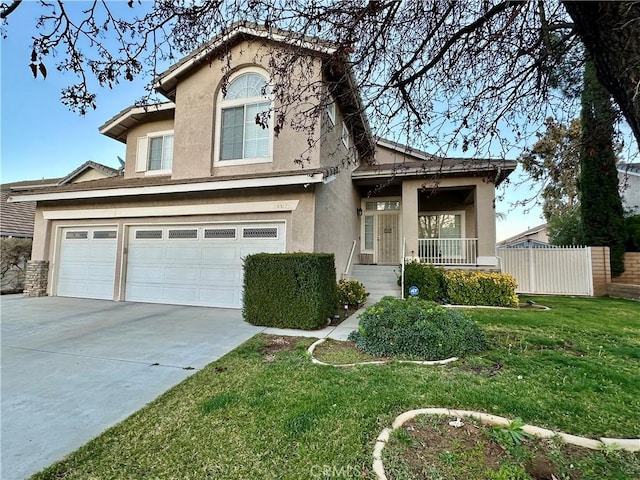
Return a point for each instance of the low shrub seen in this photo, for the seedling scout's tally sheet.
(352, 293)
(481, 288)
(429, 280)
(289, 290)
(416, 329)
(460, 287)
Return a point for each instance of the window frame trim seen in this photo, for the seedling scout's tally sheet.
(462, 214)
(147, 151)
(220, 103)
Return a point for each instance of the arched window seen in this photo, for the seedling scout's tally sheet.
(244, 120)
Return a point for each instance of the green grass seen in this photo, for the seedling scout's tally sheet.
(574, 368)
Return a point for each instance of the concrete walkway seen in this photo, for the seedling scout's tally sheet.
(72, 368)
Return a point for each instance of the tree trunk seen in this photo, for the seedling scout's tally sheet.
(610, 31)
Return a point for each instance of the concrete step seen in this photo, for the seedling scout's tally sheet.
(379, 280)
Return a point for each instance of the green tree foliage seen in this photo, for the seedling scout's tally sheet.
(554, 161)
(566, 229)
(601, 207)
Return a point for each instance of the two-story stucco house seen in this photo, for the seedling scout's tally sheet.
(213, 175)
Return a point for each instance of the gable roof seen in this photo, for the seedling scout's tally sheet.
(88, 166)
(118, 125)
(336, 68)
(416, 163)
(167, 81)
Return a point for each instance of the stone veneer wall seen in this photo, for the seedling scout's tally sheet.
(35, 283)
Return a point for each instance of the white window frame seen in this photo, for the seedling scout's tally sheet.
(331, 110)
(345, 136)
(447, 212)
(222, 103)
(142, 153)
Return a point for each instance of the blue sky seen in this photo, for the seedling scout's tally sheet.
(42, 138)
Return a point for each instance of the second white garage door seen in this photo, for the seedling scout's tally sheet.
(195, 265)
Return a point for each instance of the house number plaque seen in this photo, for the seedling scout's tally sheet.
(387, 230)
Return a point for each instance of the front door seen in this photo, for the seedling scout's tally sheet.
(388, 238)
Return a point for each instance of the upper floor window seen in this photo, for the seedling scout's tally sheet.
(244, 120)
(155, 153)
(345, 135)
(331, 112)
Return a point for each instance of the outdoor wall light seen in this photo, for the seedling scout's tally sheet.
(359, 211)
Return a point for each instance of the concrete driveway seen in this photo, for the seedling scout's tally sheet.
(72, 368)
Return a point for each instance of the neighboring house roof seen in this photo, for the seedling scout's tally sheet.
(524, 235)
(419, 163)
(120, 186)
(525, 243)
(88, 167)
(629, 168)
(16, 220)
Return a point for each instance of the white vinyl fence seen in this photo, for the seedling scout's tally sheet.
(557, 270)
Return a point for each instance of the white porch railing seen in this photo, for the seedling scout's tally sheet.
(448, 251)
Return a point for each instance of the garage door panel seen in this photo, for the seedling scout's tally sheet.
(145, 251)
(213, 255)
(142, 273)
(220, 297)
(204, 269)
(86, 266)
(179, 275)
(220, 276)
(182, 254)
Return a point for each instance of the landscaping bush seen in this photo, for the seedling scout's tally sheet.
(352, 293)
(460, 287)
(481, 288)
(289, 290)
(429, 280)
(416, 329)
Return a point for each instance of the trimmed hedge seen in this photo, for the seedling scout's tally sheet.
(481, 288)
(461, 287)
(289, 290)
(416, 329)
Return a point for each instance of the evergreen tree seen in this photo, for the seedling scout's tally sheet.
(602, 215)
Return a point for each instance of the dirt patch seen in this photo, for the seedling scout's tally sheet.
(275, 343)
(428, 447)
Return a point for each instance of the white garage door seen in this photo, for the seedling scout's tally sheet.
(195, 264)
(87, 265)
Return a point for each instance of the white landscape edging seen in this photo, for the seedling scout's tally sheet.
(374, 362)
(628, 444)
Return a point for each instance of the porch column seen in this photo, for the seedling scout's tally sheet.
(486, 223)
(410, 215)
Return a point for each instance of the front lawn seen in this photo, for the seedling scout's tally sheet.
(265, 411)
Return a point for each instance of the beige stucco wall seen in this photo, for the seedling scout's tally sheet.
(195, 118)
(337, 223)
(90, 174)
(300, 231)
(132, 143)
(479, 218)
